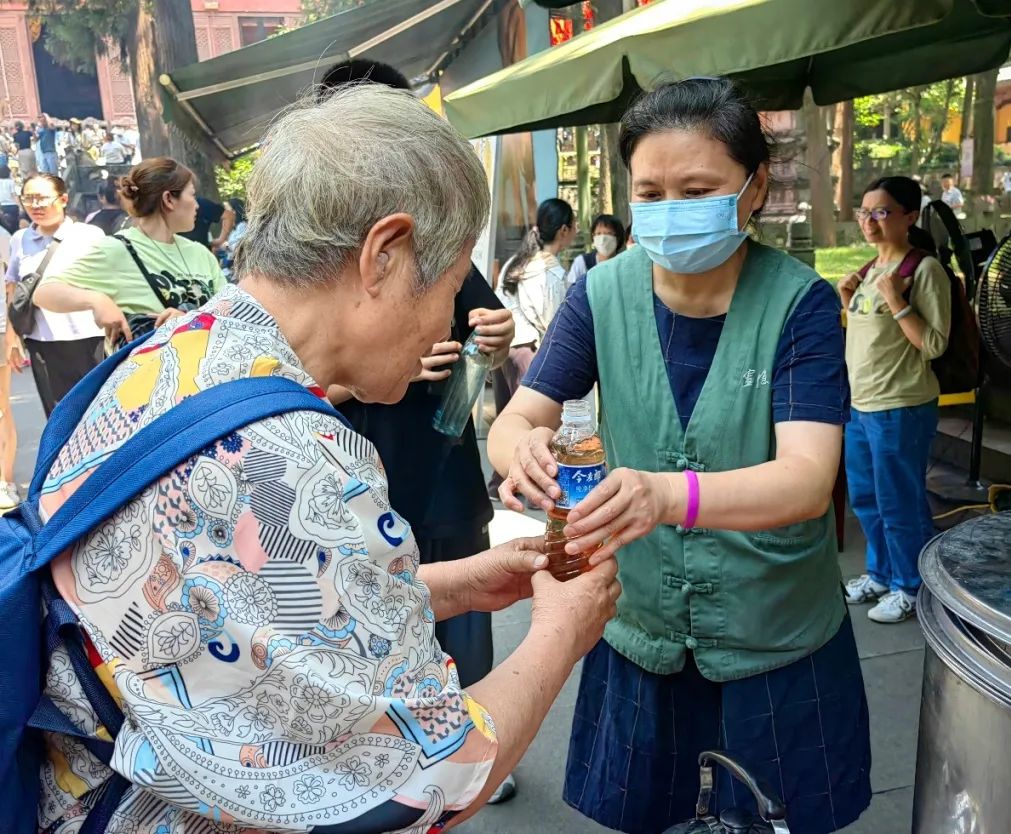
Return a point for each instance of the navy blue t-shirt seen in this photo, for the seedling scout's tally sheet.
(47, 139)
(809, 379)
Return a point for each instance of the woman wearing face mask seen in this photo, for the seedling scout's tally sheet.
(723, 393)
(896, 326)
(608, 241)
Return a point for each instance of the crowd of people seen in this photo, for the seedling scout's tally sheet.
(298, 620)
(45, 146)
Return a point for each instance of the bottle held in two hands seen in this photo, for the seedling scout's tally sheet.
(579, 453)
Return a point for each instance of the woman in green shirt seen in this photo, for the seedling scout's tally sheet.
(895, 327)
(147, 274)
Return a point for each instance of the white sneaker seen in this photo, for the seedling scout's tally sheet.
(9, 497)
(504, 792)
(864, 589)
(893, 608)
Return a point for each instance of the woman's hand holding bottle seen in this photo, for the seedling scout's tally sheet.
(627, 505)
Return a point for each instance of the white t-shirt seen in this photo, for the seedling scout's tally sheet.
(8, 192)
(953, 197)
(113, 153)
(76, 238)
(538, 296)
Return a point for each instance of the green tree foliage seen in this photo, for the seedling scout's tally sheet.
(313, 10)
(232, 180)
(75, 31)
(907, 126)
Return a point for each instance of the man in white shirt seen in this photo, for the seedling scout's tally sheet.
(950, 193)
(113, 152)
(1006, 182)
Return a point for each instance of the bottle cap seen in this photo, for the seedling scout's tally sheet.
(576, 411)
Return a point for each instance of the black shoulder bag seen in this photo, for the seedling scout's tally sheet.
(141, 323)
(21, 310)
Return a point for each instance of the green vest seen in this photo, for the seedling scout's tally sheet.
(745, 603)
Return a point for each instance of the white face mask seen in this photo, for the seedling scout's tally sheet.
(605, 245)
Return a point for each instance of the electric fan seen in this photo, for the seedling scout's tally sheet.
(993, 310)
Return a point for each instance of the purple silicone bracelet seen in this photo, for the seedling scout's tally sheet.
(692, 512)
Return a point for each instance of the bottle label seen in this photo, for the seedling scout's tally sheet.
(576, 482)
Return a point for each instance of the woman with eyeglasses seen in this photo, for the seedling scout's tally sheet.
(895, 326)
(723, 392)
(63, 346)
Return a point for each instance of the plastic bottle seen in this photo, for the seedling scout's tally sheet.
(462, 389)
(579, 452)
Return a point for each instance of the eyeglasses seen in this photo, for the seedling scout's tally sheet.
(877, 214)
(37, 200)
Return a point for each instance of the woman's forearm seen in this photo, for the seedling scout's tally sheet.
(782, 491)
(446, 583)
(518, 694)
(503, 438)
(63, 298)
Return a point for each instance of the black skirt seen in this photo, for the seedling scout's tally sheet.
(636, 737)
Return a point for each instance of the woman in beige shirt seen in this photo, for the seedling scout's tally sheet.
(895, 326)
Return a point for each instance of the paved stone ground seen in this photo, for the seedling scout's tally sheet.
(891, 656)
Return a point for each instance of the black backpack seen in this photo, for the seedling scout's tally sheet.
(957, 369)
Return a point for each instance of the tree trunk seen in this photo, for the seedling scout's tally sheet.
(141, 51)
(917, 115)
(163, 40)
(619, 176)
(582, 179)
(966, 128)
(613, 189)
(983, 132)
(845, 126)
(605, 203)
(937, 129)
(886, 124)
(177, 47)
(819, 162)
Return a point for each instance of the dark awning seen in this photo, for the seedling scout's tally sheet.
(229, 100)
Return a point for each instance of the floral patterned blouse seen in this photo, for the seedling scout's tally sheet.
(258, 615)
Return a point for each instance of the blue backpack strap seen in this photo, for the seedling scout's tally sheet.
(183, 431)
(69, 412)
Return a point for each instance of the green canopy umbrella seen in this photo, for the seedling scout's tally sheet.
(841, 49)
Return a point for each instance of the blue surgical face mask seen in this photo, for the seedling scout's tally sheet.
(689, 236)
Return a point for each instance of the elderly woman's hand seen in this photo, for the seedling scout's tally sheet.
(627, 505)
(497, 578)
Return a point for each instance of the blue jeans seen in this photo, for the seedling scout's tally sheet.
(886, 467)
(50, 163)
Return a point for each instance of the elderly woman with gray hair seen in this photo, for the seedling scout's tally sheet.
(259, 612)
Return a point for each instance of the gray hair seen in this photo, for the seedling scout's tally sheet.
(328, 171)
